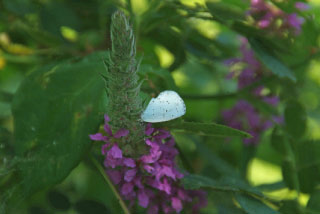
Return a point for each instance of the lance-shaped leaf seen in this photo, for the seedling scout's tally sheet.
(270, 61)
(206, 129)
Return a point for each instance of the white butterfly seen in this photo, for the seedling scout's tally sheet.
(167, 106)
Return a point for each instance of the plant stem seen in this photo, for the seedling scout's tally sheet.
(113, 188)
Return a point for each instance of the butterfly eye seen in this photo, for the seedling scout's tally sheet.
(167, 106)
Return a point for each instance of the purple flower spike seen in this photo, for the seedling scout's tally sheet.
(151, 179)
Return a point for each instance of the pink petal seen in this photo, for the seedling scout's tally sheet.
(165, 186)
(149, 130)
(104, 148)
(107, 129)
(121, 133)
(143, 198)
(176, 204)
(126, 188)
(115, 176)
(115, 151)
(130, 174)
(106, 118)
(153, 209)
(98, 137)
(149, 168)
(129, 162)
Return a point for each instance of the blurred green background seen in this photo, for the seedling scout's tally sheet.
(181, 49)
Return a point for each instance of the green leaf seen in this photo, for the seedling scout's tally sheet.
(270, 61)
(270, 187)
(5, 97)
(277, 140)
(55, 109)
(19, 7)
(225, 11)
(226, 184)
(161, 73)
(253, 206)
(206, 129)
(289, 173)
(295, 117)
(198, 181)
(90, 206)
(290, 206)
(314, 202)
(57, 14)
(308, 166)
(59, 200)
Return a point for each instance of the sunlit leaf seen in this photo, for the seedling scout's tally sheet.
(254, 206)
(225, 11)
(295, 119)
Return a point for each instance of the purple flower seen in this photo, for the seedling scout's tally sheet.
(115, 151)
(302, 6)
(151, 179)
(115, 176)
(129, 162)
(266, 17)
(143, 198)
(176, 204)
(127, 188)
(245, 117)
(130, 174)
(121, 133)
(98, 137)
(295, 22)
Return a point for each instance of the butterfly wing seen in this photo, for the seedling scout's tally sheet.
(167, 106)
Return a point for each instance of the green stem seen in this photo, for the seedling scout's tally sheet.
(113, 188)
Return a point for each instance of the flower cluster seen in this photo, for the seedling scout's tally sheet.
(273, 19)
(153, 178)
(243, 115)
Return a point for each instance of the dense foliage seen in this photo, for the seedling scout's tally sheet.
(247, 70)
